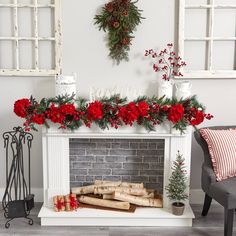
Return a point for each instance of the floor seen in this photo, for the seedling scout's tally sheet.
(212, 225)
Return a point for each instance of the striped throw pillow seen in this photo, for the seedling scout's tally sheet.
(222, 149)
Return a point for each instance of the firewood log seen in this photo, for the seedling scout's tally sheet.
(141, 201)
(90, 188)
(150, 193)
(118, 183)
(106, 183)
(104, 203)
(132, 185)
(110, 190)
(83, 190)
(107, 196)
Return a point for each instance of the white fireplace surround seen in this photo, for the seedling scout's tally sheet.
(56, 178)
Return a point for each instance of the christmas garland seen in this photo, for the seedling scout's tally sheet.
(119, 18)
(70, 113)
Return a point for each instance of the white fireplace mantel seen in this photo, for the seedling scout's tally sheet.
(56, 178)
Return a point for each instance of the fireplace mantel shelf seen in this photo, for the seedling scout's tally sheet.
(150, 135)
(123, 132)
(56, 177)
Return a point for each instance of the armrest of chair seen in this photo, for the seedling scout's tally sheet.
(208, 177)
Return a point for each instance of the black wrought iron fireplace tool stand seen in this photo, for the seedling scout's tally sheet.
(17, 200)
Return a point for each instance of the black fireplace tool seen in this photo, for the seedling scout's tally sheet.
(17, 200)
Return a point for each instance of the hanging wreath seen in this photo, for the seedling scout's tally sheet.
(119, 18)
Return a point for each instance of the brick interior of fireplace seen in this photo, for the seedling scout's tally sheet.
(132, 160)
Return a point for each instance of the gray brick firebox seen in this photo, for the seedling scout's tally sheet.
(133, 160)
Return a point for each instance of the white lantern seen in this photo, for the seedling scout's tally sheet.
(65, 84)
(183, 90)
(165, 88)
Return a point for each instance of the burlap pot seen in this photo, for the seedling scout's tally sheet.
(178, 208)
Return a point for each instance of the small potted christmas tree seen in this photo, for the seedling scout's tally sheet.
(176, 189)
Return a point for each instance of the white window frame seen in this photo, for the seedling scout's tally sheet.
(209, 72)
(57, 38)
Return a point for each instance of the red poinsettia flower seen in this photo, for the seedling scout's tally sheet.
(143, 108)
(129, 113)
(176, 113)
(67, 109)
(38, 119)
(196, 116)
(55, 115)
(20, 107)
(95, 111)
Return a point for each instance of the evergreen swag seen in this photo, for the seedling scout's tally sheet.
(71, 113)
(119, 18)
(177, 181)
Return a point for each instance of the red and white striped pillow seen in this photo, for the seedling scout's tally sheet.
(222, 149)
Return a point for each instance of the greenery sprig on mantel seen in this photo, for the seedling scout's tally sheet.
(114, 112)
(120, 18)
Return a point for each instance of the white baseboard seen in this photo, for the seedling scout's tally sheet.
(196, 195)
(38, 194)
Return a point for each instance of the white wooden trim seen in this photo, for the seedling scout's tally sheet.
(24, 72)
(210, 38)
(58, 36)
(181, 30)
(27, 5)
(209, 6)
(36, 46)
(210, 34)
(15, 15)
(17, 71)
(204, 74)
(28, 38)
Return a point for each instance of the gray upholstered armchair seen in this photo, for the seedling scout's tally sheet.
(224, 192)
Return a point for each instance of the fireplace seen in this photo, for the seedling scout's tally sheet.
(127, 160)
(77, 158)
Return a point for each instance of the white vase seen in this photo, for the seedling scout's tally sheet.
(183, 90)
(65, 84)
(165, 88)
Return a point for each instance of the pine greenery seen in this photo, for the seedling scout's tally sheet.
(155, 116)
(176, 189)
(120, 18)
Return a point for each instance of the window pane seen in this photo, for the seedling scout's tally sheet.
(224, 55)
(196, 23)
(45, 1)
(46, 18)
(26, 1)
(6, 1)
(226, 29)
(25, 22)
(26, 52)
(6, 22)
(196, 2)
(46, 55)
(7, 54)
(195, 55)
(225, 2)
